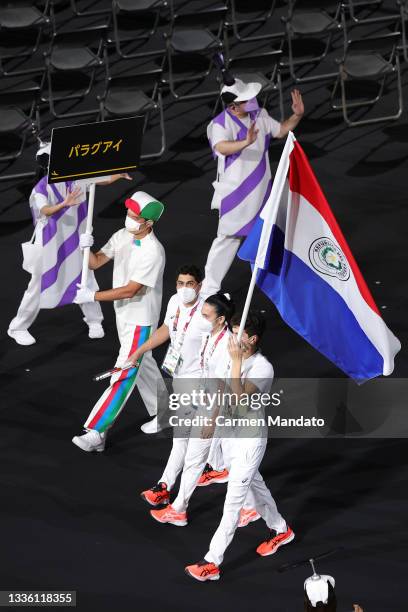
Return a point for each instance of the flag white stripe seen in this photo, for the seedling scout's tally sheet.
(271, 208)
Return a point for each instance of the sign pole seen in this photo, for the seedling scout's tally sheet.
(89, 219)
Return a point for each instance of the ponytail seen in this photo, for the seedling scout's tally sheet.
(223, 305)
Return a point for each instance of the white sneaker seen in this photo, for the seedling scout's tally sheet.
(151, 427)
(22, 337)
(95, 331)
(91, 441)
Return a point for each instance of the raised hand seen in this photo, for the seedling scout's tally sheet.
(234, 349)
(116, 177)
(297, 103)
(73, 198)
(252, 134)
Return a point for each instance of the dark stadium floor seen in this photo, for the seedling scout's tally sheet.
(69, 520)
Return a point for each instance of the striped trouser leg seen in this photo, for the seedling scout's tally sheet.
(112, 401)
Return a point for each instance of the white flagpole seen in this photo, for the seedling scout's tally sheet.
(270, 209)
(247, 302)
(89, 219)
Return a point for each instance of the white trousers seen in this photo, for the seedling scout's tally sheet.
(215, 456)
(219, 259)
(196, 454)
(175, 462)
(30, 307)
(191, 455)
(224, 450)
(245, 456)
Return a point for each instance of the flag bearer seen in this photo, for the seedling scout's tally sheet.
(249, 372)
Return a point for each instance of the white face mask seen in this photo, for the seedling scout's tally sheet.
(206, 326)
(186, 294)
(132, 225)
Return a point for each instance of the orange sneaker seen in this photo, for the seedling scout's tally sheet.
(156, 495)
(248, 515)
(203, 571)
(169, 515)
(209, 476)
(271, 545)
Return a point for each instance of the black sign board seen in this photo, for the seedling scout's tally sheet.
(95, 149)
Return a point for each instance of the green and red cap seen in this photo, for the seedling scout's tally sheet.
(145, 206)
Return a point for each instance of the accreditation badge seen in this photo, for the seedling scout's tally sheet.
(171, 360)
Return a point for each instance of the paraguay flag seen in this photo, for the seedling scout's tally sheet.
(304, 265)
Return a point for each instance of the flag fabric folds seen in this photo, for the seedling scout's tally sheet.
(305, 266)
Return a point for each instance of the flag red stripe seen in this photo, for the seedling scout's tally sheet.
(303, 181)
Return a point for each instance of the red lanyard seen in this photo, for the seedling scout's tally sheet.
(214, 346)
(187, 323)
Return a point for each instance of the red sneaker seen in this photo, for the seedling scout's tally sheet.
(248, 515)
(157, 495)
(169, 515)
(209, 476)
(270, 546)
(203, 571)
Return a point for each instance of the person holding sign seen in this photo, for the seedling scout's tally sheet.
(59, 213)
(184, 326)
(239, 138)
(138, 265)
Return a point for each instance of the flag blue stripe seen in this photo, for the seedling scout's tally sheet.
(315, 310)
(249, 247)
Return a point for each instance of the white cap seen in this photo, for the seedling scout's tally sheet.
(45, 147)
(242, 91)
(317, 588)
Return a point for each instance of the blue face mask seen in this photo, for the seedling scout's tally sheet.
(251, 105)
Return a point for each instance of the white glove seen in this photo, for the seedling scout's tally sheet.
(86, 240)
(84, 295)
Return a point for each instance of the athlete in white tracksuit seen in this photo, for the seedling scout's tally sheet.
(184, 326)
(249, 373)
(217, 311)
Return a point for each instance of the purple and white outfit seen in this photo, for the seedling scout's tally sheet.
(242, 187)
(61, 262)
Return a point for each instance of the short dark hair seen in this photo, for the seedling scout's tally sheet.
(192, 270)
(228, 97)
(255, 324)
(224, 306)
